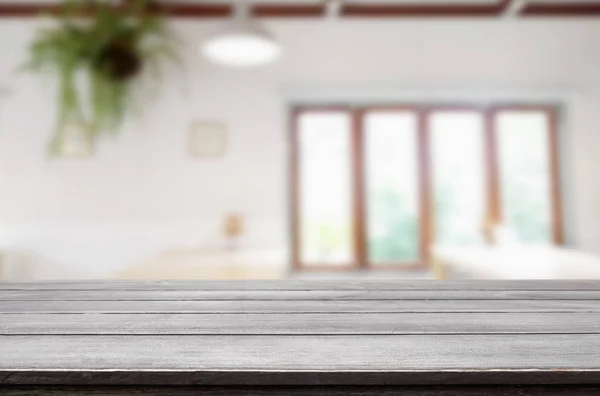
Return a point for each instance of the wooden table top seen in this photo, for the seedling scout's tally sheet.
(300, 333)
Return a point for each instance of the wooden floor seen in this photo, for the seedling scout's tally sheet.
(301, 333)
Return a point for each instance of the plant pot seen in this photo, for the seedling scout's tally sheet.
(120, 60)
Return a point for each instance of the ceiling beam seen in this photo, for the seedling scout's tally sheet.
(286, 10)
(366, 9)
(571, 8)
(16, 10)
(387, 10)
(190, 10)
(181, 9)
(175, 9)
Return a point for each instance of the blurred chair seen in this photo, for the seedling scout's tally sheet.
(514, 262)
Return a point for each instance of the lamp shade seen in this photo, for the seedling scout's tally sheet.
(242, 44)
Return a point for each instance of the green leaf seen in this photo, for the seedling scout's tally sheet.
(78, 45)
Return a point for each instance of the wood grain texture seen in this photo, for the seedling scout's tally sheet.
(303, 391)
(513, 285)
(331, 306)
(301, 335)
(294, 295)
(490, 378)
(299, 324)
(313, 353)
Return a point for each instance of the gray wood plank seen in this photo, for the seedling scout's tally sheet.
(299, 324)
(288, 295)
(348, 306)
(308, 285)
(277, 334)
(306, 391)
(383, 353)
(304, 379)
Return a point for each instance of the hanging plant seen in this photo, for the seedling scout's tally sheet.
(112, 51)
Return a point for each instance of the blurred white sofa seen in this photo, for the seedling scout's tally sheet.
(513, 261)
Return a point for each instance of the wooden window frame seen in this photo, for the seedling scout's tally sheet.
(425, 181)
(554, 166)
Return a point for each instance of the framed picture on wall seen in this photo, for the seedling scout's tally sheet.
(207, 139)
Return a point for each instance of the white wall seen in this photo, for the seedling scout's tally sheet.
(141, 193)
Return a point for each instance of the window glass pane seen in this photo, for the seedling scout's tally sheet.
(325, 186)
(523, 151)
(392, 191)
(458, 176)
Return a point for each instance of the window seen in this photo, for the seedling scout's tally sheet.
(391, 187)
(458, 175)
(525, 173)
(325, 185)
(377, 187)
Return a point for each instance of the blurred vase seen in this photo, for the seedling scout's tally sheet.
(233, 228)
(74, 141)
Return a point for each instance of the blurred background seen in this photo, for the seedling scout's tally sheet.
(268, 139)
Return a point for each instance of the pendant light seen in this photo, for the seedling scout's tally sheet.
(243, 43)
